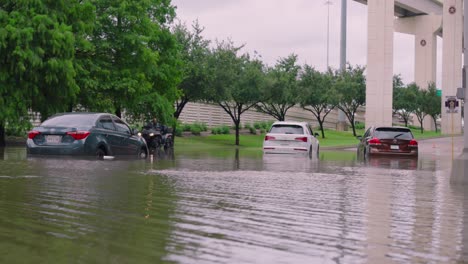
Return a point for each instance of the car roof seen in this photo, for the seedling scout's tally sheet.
(392, 127)
(290, 123)
(80, 113)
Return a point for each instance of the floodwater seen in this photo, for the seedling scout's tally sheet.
(241, 208)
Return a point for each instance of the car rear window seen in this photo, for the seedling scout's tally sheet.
(70, 121)
(400, 133)
(287, 129)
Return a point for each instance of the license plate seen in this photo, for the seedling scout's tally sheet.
(394, 147)
(53, 139)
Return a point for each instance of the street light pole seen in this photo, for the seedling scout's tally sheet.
(342, 125)
(343, 35)
(328, 3)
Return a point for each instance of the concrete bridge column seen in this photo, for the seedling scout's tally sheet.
(451, 62)
(425, 29)
(379, 88)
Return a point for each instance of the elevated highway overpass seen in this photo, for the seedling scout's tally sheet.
(425, 19)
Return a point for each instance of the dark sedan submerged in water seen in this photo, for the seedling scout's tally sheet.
(86, 134)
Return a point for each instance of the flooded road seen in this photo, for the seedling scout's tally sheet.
(242, 208)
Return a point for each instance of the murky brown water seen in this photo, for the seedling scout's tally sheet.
(203, 209)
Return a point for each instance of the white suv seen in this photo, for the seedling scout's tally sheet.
(286, 137)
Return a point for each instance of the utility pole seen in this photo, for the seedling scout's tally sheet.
(328, 3)
(342, 125)
(460, 165)
(343, 35)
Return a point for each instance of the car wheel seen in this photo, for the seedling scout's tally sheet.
(100, 153)
(366, 153)
(142, 154)
(169, 144)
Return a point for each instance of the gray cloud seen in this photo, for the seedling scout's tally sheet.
(277, 28)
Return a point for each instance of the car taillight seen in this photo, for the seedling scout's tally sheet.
(374, 141)
(269, 138)
(413, 143)
(77, 135)
(33, 134)
(303, 139)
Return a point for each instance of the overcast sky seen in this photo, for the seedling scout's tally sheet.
(277, 28)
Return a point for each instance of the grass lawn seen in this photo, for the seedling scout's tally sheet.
(249, 142)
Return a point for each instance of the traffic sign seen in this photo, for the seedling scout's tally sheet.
(451, 104)
(439, 92)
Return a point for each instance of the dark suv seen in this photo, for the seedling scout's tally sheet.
(388, 141)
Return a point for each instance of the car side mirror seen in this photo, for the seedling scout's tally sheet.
(316, 134)
(135, 131)
(359, 137)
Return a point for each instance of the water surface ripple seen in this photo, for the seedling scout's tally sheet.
(188, 209)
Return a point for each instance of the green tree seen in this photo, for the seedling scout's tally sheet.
(236, 81)
(432, 105)
(401, 101)
(195, 71)
(350, 88)
(317, 95)
(281, 93)
(134, 63)
(37, 45)
(417, 97)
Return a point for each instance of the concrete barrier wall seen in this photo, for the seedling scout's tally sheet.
(213, 115)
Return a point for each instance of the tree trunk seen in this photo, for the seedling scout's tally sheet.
(435, 123)
(282, 117)
(118, 112)
(180, 107)
(237, 132)
(352, 125)
(174, 127)
(421, 125)
(2, 134)
(321, 127)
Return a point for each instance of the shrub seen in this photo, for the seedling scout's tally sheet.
(257, 125)
(186, 127)
(253, 131)
(262, 131)
(178, 132)
(225, 130)
(248, 126)
(265, 125)
(359, 125)
(202, 126)
(18, 129)
(216, 130)
(196, 130)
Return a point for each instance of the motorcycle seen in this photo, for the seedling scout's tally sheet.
(157, 137)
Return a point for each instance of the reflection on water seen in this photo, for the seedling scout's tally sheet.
(243, 209)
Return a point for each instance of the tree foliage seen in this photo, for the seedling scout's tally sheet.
(401, 100)
(236, 81)
(416, 99)
(195, 71)
(37, 44)
(432, 105)
(134, 59)
(281, 92)
(350, 88)
(317, 95)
